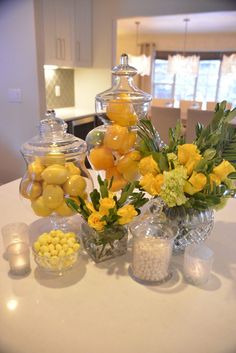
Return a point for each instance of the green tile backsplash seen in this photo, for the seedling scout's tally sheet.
(65, 79)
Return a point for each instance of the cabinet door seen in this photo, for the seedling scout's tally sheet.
(58, 27)
(83, 33)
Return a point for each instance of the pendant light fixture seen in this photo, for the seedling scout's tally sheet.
(183, 64)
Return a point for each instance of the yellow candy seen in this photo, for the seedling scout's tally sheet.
(70, 251)
(76, 247)
(55, 240)
(36, 246)
(58, 247)
(61, 253)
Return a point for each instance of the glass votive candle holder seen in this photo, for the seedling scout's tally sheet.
(198, 260)
(18, 255)
(15, 233)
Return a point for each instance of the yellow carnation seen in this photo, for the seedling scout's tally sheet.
(105, 204)
(94, 221)
(223, 170)
(195, 183)
(148, 165)
(189, 156)
(127, 213)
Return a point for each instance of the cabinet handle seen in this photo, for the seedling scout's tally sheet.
(78, 50)
(58, 48)
(63, 49)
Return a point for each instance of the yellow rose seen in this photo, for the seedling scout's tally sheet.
(152, 184)
(223, 170)
(106, 204)
(94, 221)
(189, 156)
(214, 179)
(127, 213)
(89, 206)
(195, 183)
(148, 165)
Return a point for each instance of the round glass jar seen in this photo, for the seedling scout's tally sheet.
(113, 146)
(55, 170)
(152, 250)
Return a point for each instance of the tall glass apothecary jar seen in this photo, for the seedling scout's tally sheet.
(113, 146)
(55, 170)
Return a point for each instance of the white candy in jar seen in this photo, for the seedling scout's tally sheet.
(151, 258)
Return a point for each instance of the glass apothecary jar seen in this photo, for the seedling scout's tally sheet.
(55, 170)
(113, 147)
(153, 241)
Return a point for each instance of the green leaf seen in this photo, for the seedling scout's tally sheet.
(95, 198)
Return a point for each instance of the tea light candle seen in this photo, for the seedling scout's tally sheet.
(198, 261)
(19, 258)
(15, 233)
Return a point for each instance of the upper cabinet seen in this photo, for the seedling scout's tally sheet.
(67, 32)
(83, 33)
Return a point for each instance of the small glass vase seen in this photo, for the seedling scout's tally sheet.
(193, 226)
(105, 245)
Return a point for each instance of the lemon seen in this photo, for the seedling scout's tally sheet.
(55, 174)
(64, 210)
(39, 207)
(115, 136)
(30, 189)
(72, 168)
(121, 111)
(53, 196)
(128, 167)
(35, 169)
(54, 158)
(75, 185)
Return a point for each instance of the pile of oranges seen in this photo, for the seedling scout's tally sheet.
(117, 154)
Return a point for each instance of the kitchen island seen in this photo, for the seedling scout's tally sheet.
(100, 308)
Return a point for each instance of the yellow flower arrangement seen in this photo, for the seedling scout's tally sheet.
(194, 175)
(106, 210)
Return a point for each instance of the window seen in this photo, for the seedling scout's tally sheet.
(209, 85)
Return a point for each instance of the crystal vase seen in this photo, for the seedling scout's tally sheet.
(104, 245)
(192, 226)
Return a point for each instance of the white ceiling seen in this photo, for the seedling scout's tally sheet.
(200, 22)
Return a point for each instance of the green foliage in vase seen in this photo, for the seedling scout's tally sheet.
(192, 175)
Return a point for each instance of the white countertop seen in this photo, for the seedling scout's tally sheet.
(73, 113)
(99, 308)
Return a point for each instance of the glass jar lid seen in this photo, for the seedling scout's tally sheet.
(123, 86)
(53, 138)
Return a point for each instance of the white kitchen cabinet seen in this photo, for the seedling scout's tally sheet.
(82, 33)
(67, 32)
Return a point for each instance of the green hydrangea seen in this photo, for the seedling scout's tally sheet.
(172, 191)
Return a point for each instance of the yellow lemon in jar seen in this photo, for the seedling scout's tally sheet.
(53, 196)
(75, 185)
(30, 189)
(35, 169)
(72, 168)
(55, 174)
(40, 208)
(101, 158)
(54, 158)
(64, 210)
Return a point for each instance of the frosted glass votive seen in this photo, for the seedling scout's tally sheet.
(15, 233)
(198, 261)
(18, 255)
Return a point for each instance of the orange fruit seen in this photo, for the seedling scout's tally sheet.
(128, 167)
(121, 111)
(101, 158)
(115, 136)
(118, 181)
(128, 143)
